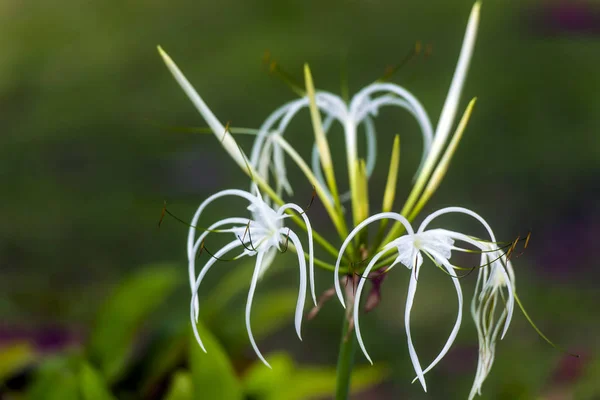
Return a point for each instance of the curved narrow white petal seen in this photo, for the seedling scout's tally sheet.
(193, 309)
(265, 129)
(359, 290)
(510, 304)
(460, 210)
(355, 231)
(456, 327)
(228, 192)
(262, 166)
(371, 137)
(192, 259)
(253, 282)
(311, 258)
(302, 286)
(412, 290)
(414, 108)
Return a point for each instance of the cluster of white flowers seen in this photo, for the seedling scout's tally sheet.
(265, 233)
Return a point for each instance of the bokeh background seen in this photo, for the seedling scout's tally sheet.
(89, 151)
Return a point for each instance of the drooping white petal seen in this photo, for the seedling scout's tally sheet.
(192, 259)
(351, 235)
(412, 290)
(311, 261)
(253, 282)
(456, 327)
(302, 286)
(193, 309)
(510, 301)
(359, 290)
(228, 192)
(332, 105)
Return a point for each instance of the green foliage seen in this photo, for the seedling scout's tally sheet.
(92, 384)
(290, 382)
(182, 387)
(212, 372)
(15, 357)
(588, 386)
(165, 355)
(114, 334)
(56, 379)
(269, 313)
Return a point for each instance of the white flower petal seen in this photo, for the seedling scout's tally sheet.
(193, 309)
(302, 286)
(412, 290)
(355, 231)
(253, 282)
(192, 259)
(356, 310)
(311, 262)
(456, 327)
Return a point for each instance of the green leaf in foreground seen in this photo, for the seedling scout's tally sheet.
(212, 372)
(114, 334)
(92, 384)
(182, 387)
(56, 379)
(14, 358)
(290, 382)
(269, 314)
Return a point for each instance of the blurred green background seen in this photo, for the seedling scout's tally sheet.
(87, 157)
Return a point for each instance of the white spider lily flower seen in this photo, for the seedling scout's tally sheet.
(493, 288)
(362, 108)
(437, 244)
(262, 236)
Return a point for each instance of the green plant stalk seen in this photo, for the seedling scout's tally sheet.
(345, 362)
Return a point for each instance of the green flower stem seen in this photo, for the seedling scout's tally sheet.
(345, 362)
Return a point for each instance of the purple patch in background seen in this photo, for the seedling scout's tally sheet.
(45, 339)
(566, 17)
